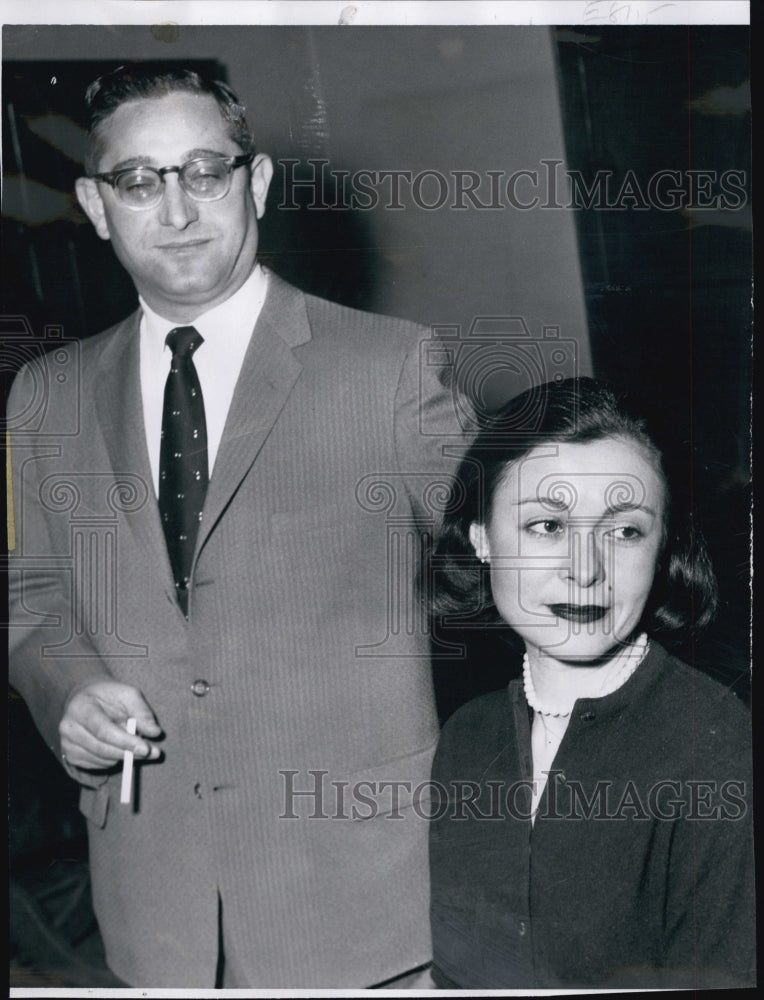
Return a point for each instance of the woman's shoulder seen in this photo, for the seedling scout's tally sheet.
(476, 732)
(705, 716)
(692, 684)
(488, 709)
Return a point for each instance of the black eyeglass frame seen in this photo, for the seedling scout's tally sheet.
(230, 162)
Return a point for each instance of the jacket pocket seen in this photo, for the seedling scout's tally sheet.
(393, 788)
(94, 804)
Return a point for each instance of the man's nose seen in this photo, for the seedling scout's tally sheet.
(586, 565)
(176, 209)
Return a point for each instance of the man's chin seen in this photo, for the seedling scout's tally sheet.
(186, 294)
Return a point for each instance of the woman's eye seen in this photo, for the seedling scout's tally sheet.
(626, 533)
(547, 527)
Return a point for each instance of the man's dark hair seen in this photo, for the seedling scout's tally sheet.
(134, 82)
(684, 592)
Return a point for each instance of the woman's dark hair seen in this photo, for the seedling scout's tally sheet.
(684, 592)
(137, 81)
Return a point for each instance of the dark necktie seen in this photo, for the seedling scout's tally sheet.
(183, 472)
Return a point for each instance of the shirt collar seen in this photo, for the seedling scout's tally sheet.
(235, 313)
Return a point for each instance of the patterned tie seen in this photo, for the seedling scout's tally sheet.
(183, 472)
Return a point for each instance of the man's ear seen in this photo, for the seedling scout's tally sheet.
(479, 539)
(92, 205)
(260, 180)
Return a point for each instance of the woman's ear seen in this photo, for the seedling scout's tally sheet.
(479, 539)
(92, 204)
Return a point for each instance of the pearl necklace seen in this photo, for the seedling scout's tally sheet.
(620, 670)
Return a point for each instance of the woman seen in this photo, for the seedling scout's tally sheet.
(593, 826)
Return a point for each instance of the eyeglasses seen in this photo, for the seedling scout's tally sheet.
(207, 178)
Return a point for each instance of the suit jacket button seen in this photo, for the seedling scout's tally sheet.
(200, 688)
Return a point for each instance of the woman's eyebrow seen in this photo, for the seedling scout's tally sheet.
(551, 503)
(542, 501)
(619, 508)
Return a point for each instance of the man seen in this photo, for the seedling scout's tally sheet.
(248, 617)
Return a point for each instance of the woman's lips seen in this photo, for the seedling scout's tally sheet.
(578, 612)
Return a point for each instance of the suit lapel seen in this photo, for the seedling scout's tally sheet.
(267, 376)
(120, 413)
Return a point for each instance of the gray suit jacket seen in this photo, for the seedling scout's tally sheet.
(304, 627)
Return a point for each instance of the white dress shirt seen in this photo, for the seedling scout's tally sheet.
(226, 330)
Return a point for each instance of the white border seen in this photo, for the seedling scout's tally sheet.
(357, 13)
(370, 12)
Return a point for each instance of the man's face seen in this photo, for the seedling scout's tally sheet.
(184, 256)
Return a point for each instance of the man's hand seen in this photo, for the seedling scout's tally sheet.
(92, 731)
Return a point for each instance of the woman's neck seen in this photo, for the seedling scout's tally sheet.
(560, 684)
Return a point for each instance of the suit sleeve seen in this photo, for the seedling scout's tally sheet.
(432, 428)
(41, 610)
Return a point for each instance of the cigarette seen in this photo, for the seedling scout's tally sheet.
(127, 767)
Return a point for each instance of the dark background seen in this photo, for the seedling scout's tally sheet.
(657, 300)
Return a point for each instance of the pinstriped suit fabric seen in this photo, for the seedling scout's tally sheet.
(289, 623)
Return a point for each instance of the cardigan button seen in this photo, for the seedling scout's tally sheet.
(200, 688)
(588, 716)
(521, 928)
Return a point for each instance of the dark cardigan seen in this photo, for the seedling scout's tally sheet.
(638, 869)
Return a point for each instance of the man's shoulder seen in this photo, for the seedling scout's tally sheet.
(355, 316)
(66, 368)
(325, 328)
(327, 318)
(92, 347)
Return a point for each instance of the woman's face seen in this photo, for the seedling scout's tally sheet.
(573, 542)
